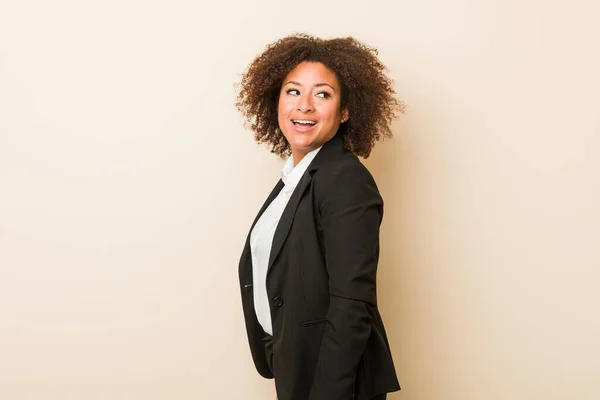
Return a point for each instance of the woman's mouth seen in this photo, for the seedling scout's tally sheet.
(304, 125)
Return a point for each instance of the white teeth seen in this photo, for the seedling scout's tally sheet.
(302, 121)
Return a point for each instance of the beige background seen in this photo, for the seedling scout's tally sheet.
(128, 184)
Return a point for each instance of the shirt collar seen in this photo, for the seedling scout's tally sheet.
(291, 175)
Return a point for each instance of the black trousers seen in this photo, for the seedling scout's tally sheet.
(269, 350)
(269, 353)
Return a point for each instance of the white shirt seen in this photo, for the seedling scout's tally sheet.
(261, 238)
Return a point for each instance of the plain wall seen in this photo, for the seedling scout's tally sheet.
(128, 185)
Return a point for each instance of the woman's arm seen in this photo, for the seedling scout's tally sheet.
(351, 212)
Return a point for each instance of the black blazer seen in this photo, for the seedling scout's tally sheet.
(329, 342)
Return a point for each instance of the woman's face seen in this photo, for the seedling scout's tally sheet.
(309, 111)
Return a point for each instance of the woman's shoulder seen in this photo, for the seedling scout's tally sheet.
(345, 172)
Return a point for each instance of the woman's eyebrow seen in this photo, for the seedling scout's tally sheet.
(317, 85)
(325, 84)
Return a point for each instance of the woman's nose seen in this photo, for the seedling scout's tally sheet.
(305, 104)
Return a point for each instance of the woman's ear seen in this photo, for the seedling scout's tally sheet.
(345, 115)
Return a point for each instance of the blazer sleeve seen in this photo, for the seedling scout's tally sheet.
(351, 211)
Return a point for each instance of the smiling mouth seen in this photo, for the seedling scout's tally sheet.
(303, 122)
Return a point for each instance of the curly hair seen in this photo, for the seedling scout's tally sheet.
(366, 90)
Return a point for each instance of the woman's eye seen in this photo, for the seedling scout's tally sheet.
(294, 92)
(323, 95)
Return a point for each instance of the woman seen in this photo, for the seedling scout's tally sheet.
(308, 269)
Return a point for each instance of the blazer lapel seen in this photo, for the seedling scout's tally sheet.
(271, 197)
(285, 222)
(246, 260)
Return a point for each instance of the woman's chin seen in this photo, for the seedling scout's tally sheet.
(301, 144)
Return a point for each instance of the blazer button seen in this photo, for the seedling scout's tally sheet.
(277, 301)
